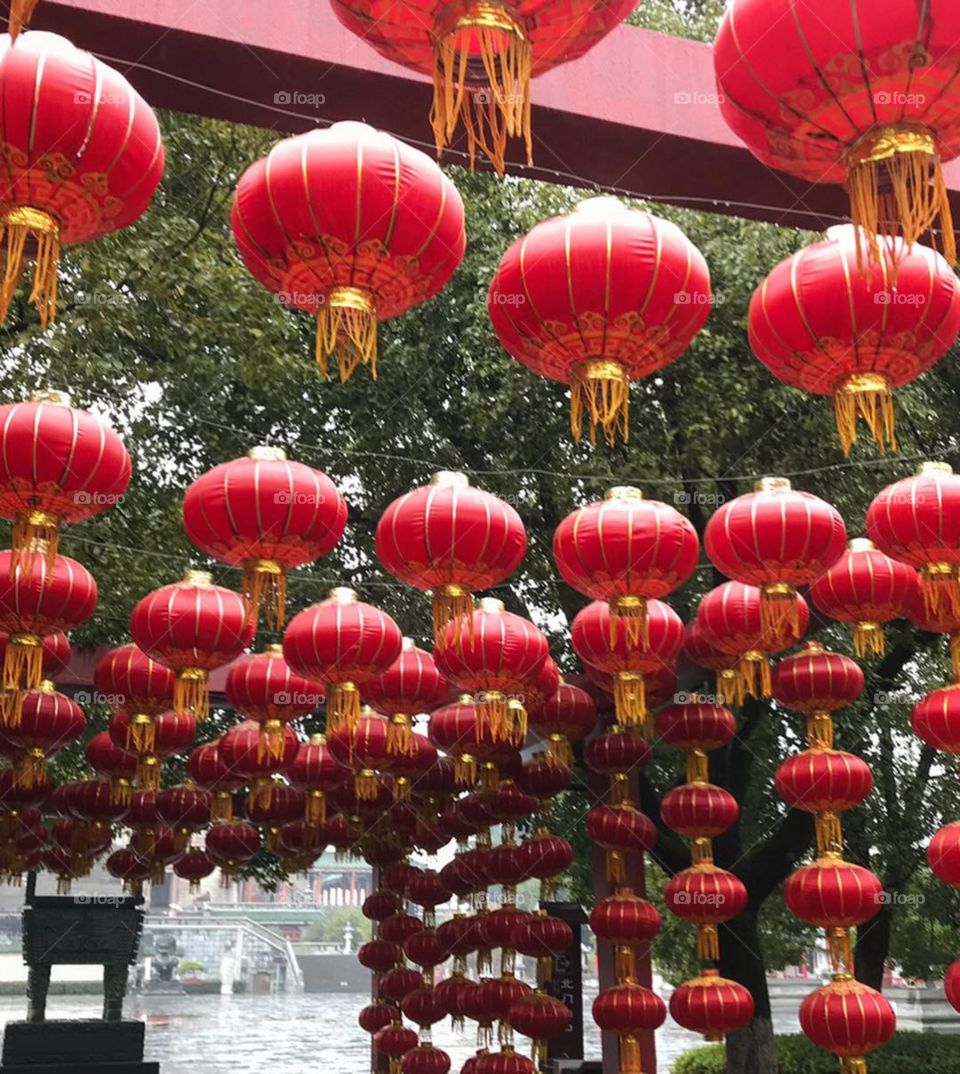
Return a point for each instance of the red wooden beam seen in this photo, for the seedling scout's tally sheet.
(637, 113)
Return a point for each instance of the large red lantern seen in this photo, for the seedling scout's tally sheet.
(940, 620)
(58, 465)
(628, 1009)
(626, 550)
(316, 771)
(128, 680)
(834, 894)
(36, 600)
(699, 810)
(865, 588)
(231, 846)
(824, 782)
(775, 538)
(936, 719)
(84, 158)
(817, 682)
(265, 514)
(352, 226)
(711, 1005)
(596, 645)
(917, 520)
(865, 98)
(452, 539)
(342, 643)
(596, 299)
(411, 685)
(241, 752)
(48, 721)
(173, 732)
(195, 865)
(706, 896)
(620, 830)
(458, 730)
(568, 716)
(818, 324)
(192, 627)
(626, 921)
(847, 1018)
(498, 654)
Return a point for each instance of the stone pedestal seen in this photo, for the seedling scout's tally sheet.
(75, 1046)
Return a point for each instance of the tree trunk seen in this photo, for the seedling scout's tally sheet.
(872, 948)
(750, 1050)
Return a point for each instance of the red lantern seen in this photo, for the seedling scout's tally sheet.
(657, 648)
(425, 1059)
(569, 715)
(316, 771)
(793, 87)
(58, 465)
(847, 1018)
(362, 748)
(458, 731)
(240, 751)
(48, 721)
(128, 680)
(377, 1015)
(866, 589)
(94, 800)
(264, 689)
(951, 985)
(126, 865)
(539, 1017)
(192, 627)
(626, 550)
(399, 982)
(37, 600)
(625, 920)
(185, 808)
(711, 1005)
(832, 893)
(113, 763)
(618, 755)
(620, 830)
(701, 650)
(412, 684)
(706, 896)
(506, 1061)
(824, 782)
(564, 302)
(817, 682)
(544, 857)
(936, 719)
(84, 155)
(943, 854)
(266, 514)
(777, 539)
(940, 620)
(173, 733)
(342, 643)
(543, 779)
(351, 225)
(818, 324)
(394, 1041)
(231, 846)
(696, 725)
(207, 769)
(195, 865)
(917, 520)
(499, 653)
(628, 1010)
(733, 620)
(699, 810)
(453, 539)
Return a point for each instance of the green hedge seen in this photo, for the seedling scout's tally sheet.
(907, 1053)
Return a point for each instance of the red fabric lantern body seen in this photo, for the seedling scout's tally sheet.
(499, 652)
(825, 782)
(943, 854)
(173, 732)
(128, 680)
(452, 539)
(775, 538)
(832, 893)
(711, 1005)
(195, 865)
(936, 719)
(58, 465)
(241, 753)
(363, 748)
(847, 1018)
(316, 771)
(818, 324)
(598, 298)
(351, 225)
(705, 896)
(593, 641)
(626, 921)
(620, 830)
(109, 761)
(696, 725)
(84, 158)
(207, 769)
(704, 652)
(817, 682)
(36, 601)
(569, 715)
(865, 588)
(626, 550)
(951, 985)
(48, 721)
(917, 520)
(628, 1010)
(342, 643)
(192, 627)
(699, 810)
(411, 685)
(231, 846)
(266, 514)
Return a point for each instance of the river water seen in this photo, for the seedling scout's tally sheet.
(279, 1034)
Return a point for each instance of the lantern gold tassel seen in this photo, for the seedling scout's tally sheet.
(141, 734)
(21, 11)
(492, 36)
(190, 694)
(940, 589)
(631, 614)
(839, 949)
(624, 962)
(343, 705)
(868, 639)
(347, 326)
(221, 806)
(865, 395)
(23, 663)
(729, 687)
(366, 784)
(451, 604)
(272, 740)
(708, 943)
(315, 809)
(955, 656)
(852, 1065)
(829, 834)
(148, 772)
(616, 867)
(465, 770)
(630, 1055)
(32, 769)
(559, 751)
(492, 714)
(513, 729)
(600, 388)
(630, 699)
(779, 611)
(820, 730)
(265, 585)
(754, 675)
(400, 740)
(34, 532)
(896, 188)
(30, 234)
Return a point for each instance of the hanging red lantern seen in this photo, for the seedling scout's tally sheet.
(917, 521)
(173, 733)
(192, 627)
(539, 1017)
(128, 680)
(824, 782)
(618, 755)
(711, 1005)
(699, 810)
(820, 118)
(696, 725)
(499, 653)
(940, 620)
(819, 325)
(847, 1018)
(231, 845)
(817, 682)
(398, 982)
(316, 772)
(865, 588)
(362, 748)
(832, 893)
(628, 1009)
(544, 938)
(195, 865)
(394, 1041)
(48, 721)
(351, 225)
(452, 539)
(458, 730)
(936, 719)
(35, 601)
(58, 466)
(543, 779)
(775, 538)
(506, 1061)
(568, 716)
(564, 302)
(264, 689)
(342, 643)
(951, 985)
(545, 857)
(620, 830)
(240, 752)
(207, 769)
(592, 634)
(425, 1059)
(94, 800)
(411, 685)
(943, 854)
(126, 865)
(699, 649)
(626, 550)
(626, 921)
(706, 896)
(186, 809)
(376, 1016)
(266, 514)
(84, 158)
(733, 620)
(113, 763)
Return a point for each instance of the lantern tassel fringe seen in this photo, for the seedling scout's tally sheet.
(708, 943)
(141, 734)
(630, 1062)
(600, 389)
(451, 604)
(19, 227)
(347, 327)
(190, 695)
(34, 532)
(23, 663)
(265, 587)
(868, 396)
(630, 699)
(868, 640)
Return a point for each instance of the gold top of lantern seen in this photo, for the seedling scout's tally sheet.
(813, 648)
(265, 453)
(408, 645)
(490, 604)
(274, 649)
(931, 469)
(318, 740)
(624, 492)
(197, 578)
(47, 687)
(50, 395)
(465, 699)
(342, 594)
(772, 484)
(862, 544)
(450, 479)
(600, 206)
